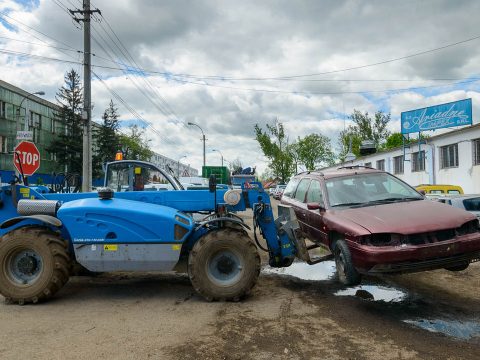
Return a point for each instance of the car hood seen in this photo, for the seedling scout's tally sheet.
(406, 217)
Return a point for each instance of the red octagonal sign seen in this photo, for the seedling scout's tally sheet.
(29, 158)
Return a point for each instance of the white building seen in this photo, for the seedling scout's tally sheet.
(449, 158)
(177, 167)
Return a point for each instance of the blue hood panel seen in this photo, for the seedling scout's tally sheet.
(92, 220)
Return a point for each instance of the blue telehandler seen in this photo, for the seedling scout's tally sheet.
(123, 227)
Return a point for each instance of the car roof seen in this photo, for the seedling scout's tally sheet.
(342, 171)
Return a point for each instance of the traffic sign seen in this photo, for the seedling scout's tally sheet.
(28, 157)
(25, 135)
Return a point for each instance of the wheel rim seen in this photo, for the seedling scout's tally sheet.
(340, 264)
(24, 266)
(225, 267)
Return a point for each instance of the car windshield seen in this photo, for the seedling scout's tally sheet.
(368, 189)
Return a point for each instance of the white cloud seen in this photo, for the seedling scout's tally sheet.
(253, 39)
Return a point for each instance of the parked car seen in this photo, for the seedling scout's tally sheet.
(439, 189)
(469, 203)
(277, 193)
(372, 222)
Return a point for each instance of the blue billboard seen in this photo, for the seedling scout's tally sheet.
(456, 113)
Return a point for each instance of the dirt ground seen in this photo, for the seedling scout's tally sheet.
(158, 316)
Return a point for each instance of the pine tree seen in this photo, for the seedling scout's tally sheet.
(68, 146)
(107, 139)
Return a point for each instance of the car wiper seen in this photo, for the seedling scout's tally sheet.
(393, 199)
(349, 204)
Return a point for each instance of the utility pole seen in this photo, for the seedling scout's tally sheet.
(87, 94)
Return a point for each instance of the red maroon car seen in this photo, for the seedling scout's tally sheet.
(375, 223)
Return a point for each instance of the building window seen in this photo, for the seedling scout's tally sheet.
(369, 164)
(52, 126)
(381, 165)
(398, 164)
(3, 144)
(476, 151)
(418, 161)
(2, 109)
(449, 156)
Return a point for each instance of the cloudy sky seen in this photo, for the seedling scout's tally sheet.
(227, 65)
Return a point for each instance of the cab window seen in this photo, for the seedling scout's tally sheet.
(131, 176)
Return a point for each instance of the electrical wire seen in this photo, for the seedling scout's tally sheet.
(464, 81)
(37, 44)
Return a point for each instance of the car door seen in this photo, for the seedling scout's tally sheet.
(299, 204)
(314, 218)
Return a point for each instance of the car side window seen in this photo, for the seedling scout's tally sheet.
(291, 187)
(314, 194)
(302, 190)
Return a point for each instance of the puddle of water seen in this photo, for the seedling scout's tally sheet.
(374, 292)
(458, 329)
(322, 271)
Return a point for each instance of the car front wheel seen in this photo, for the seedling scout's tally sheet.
(346, 272)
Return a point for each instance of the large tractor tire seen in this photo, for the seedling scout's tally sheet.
(34, 265)
(346, 272)
(224, 265)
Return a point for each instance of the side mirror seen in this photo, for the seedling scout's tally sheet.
(315, 206)
(422, 192)
(212, 183)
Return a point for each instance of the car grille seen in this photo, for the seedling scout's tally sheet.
(386, 239)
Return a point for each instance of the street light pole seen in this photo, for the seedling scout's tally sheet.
(25, 126)
(203, 138)
(220, 154)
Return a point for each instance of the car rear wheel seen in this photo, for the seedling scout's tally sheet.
(346, 272)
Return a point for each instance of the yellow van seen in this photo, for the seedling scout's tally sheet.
(440, 189)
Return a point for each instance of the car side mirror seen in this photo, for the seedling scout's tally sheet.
(315, 206)
(422, 192)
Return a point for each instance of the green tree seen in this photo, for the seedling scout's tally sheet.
(107, 139)
(135, 145)
(364, 128)
(275, 148)
(236, 166)
(68, 146)
(315, 149)
(393, 141)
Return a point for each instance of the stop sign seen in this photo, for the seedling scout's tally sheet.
(29, 158)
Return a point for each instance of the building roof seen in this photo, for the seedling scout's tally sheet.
(24, 93)
(435, 137)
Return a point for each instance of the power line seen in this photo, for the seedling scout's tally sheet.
(129, 108)
(464, 81)
(303, 80)
(129, 57)
(37, 44)
(37, 31)
(335, 71)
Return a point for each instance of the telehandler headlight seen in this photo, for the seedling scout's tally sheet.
(232, 197)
